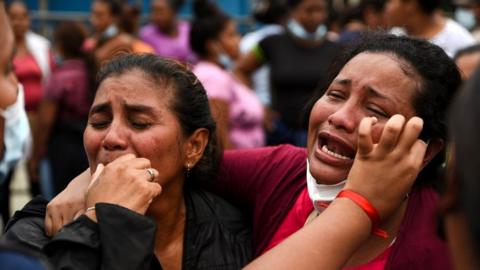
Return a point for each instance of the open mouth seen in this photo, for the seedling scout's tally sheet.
(336, 148)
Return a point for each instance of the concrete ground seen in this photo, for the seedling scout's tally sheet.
(19, 189)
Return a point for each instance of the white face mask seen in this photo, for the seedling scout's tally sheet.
(320, 194)
(465, 17)
(297, 30)
(17, 137)
(223, 59)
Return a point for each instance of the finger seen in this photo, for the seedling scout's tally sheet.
(96, 175)
(155, 188)
(138, 163)
(365, 143)
(410, 133)
(152, 174)
(124, 158)
(48, 225)
(418, 150)
(56, 221)
(390, 134)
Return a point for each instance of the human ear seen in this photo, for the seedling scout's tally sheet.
(195, 146)
(434, 147)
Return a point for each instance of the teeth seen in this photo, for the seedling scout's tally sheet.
(326, 150)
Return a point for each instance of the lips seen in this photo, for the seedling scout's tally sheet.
(334, 150)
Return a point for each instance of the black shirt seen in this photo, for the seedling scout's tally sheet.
(295, 72)
(216, 236)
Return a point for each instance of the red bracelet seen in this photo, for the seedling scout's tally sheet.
(368, 208)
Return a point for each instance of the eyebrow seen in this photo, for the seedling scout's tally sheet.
(371, 91)
(103, 107)
(137, 108)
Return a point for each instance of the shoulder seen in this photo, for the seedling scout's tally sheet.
(27, 225)
(207, 71)
(147, 29)
(282, 153)
(36, 38)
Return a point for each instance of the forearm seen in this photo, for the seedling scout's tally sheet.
(326, 243)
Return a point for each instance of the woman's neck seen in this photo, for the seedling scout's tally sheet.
(169, 213)
(171, 30)
(426, 27)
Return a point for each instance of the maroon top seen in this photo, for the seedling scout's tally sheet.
(267, 182)
(68, 87)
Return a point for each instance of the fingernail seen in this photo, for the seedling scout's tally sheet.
(374, 120)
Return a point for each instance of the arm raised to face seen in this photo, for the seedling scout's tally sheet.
(8, 92)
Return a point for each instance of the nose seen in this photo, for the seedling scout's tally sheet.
(346, 117)
(116, 138)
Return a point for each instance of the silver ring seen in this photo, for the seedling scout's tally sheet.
(151, 173)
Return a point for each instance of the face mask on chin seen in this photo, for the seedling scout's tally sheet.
(298, 31)
(224, 59)
(321, 194)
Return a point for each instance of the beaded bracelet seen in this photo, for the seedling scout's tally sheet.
(368, 208)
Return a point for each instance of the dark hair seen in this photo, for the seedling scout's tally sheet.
(439, 80)
(115, 6)
(71, 36)
(464, 132)
(270, 11)
(207, 25)
(428, 6)
(357, 12)
(468, 50)
(190, 102)
(175, 5)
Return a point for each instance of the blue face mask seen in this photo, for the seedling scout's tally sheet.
(298, 31)
(17, 137)
(465, 17)
(225, 60)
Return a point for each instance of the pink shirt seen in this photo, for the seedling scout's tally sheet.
(30, 76)
(296, 219)
(166, 46)
(245, 109)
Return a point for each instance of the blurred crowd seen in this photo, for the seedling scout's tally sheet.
(258, 84)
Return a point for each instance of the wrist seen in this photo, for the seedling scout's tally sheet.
(367, 208)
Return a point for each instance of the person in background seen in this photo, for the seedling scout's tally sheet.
(129, 23)
(425, 20)
(63, 112)
(108, 40)
(32, 63)
(460, 201)
(236, 109)
(166, 34)
(14, 127)
(467, 13)
(272, 15)
(298, 60)
(358, 17)
(467, 60)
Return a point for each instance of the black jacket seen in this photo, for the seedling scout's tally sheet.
(216, 236)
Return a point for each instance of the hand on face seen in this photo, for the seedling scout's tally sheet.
(125, 182)
(384, 172)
